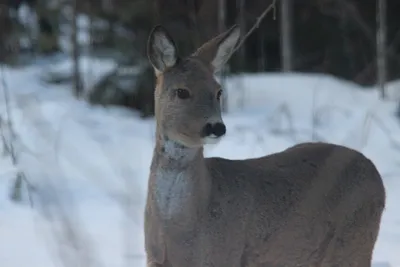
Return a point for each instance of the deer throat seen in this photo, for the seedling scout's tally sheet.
(173, 190)
(177, 180)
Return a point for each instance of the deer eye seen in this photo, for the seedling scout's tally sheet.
(182, 93)
(219, 95)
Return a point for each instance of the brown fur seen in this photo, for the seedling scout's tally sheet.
(314, 204)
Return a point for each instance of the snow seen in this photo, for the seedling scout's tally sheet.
(89, 165)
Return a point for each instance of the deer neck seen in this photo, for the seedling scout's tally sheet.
(179, 181)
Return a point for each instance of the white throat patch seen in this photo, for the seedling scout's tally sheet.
(172, 191)
(173, 185)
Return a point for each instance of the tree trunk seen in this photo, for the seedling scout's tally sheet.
(381, 45)
(242, 25)
(286, 35)
(77, 80)
(48, 29)
(222, 28)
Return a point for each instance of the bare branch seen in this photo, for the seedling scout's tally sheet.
(272, 6)
(372, 118)
(8, 146)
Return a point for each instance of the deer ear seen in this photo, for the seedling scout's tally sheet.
(161, 49)
(218, 50)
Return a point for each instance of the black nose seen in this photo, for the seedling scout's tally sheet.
(218, 129)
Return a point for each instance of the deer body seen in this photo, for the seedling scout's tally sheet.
(314, 204)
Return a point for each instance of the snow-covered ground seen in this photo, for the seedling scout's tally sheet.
(89, 165)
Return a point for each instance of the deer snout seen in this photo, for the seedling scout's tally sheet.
(214, 130)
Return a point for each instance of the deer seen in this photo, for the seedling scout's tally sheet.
(312, 204)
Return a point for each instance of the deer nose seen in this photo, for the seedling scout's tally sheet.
(217, 129)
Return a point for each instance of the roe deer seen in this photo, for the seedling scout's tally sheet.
(314, 204)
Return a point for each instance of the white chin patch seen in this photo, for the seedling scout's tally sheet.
(211, 140)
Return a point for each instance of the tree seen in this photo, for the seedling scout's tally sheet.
(286, 35)
(77, 79)
(222, 28)
(381, 44)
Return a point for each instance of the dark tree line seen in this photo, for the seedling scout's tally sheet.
(335, 37)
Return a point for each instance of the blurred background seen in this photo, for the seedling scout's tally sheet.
(76, 109)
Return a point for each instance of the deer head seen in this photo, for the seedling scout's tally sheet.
(187, 96)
